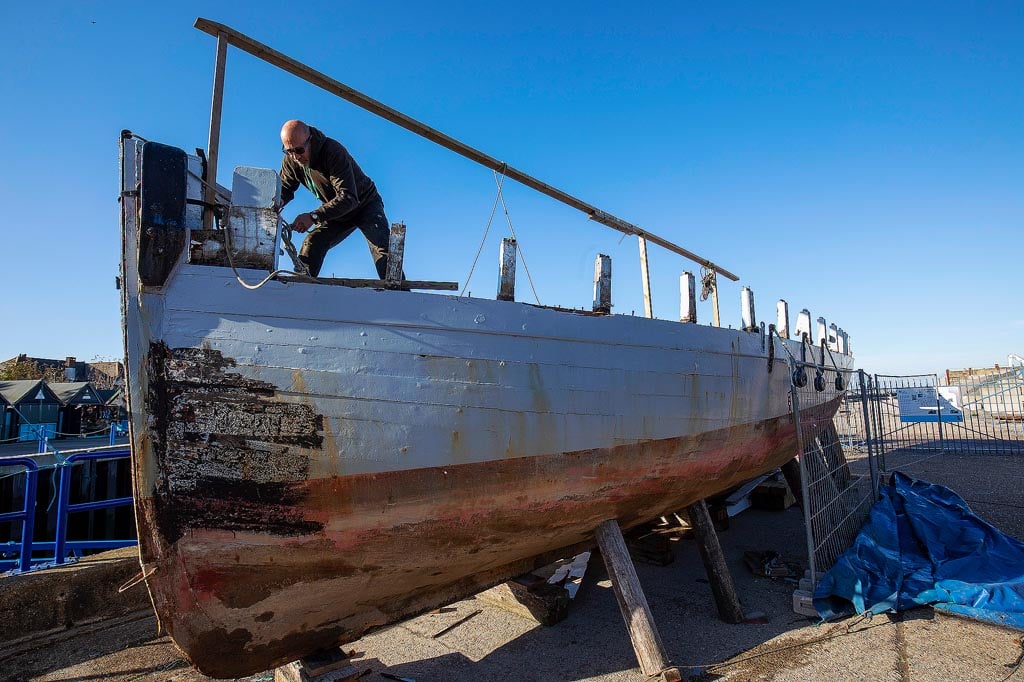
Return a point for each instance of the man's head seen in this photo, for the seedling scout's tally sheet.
(295, 138)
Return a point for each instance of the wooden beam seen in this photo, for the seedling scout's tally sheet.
(310, 75)
(602, 284)
(213, 142)
(722, 586)
(507, 272)
(396, 256)
(643, 633)
(407, 285)
(645, 279)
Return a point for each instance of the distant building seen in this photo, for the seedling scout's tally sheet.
(101, 374)
(29, 406)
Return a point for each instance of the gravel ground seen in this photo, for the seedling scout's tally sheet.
(592, 644)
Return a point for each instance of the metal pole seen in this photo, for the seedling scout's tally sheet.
(310, 75)
(804, 482)
(872, 464)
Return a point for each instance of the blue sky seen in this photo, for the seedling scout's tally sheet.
(865, 161)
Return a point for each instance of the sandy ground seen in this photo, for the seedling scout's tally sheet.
(592, 644)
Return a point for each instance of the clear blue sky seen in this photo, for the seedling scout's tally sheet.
(865, 162)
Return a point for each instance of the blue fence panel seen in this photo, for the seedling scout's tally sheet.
(61, 546)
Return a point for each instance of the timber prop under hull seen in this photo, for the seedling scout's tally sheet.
(313, 461)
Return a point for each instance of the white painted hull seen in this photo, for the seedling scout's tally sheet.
(312, 461)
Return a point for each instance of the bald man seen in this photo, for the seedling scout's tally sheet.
(348, 198)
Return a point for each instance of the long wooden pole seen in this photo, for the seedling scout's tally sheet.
(310, 75)
(213, 144)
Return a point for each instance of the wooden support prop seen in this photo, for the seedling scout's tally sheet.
(782, 318)
(603, 284)
(213, 142)
(791, 472)
(507, 272)
(687, 298)
(747, 315)
(650, 652)
(396, 256)
(722, 586)
(645, 278)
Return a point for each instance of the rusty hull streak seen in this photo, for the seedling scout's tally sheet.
(330, 558)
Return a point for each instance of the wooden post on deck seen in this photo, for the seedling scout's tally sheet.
(782, 318)
(687, 298)
(722, 587)
(396, 255)
(603, 284)
(716, 320)
(650, 652)
(645, 279)
(213, 142)
(507, 278)
(747, 316)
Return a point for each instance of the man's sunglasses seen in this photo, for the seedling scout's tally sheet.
(297, 151)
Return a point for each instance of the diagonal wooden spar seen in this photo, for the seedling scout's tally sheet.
(286, 63)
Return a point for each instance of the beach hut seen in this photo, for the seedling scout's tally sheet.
(30, 406)
(81, 408)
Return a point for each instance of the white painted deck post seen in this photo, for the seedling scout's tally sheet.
(803, 325)
(822, 330)
(396, 255)
(841, 341)
(603, 284)
(650, 652)
(507, 277)
(687, 298)
(749, 319)
(782, 318)
(833, 337)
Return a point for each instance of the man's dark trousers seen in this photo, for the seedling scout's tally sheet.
(370, 219)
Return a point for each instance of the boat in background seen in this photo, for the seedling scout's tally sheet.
(317, 458)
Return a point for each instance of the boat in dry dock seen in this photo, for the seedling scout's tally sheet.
(317, 458)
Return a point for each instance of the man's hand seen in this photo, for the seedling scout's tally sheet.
(302, 222)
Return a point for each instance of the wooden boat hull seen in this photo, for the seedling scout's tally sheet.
(315, 461)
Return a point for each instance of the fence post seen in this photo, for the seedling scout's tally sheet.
(63, 500)
(805, 484)
(938, 412)
(872, 464)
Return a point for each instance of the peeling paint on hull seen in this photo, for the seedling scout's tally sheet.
(396, 544)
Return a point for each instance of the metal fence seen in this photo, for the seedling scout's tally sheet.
(879, 418)
(838, 470)
(28, 550)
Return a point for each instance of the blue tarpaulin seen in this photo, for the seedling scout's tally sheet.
(922, 545)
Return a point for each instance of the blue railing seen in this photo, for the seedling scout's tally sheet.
(60, 547)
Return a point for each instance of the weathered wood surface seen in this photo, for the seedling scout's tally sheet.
(717, 570)
(643, 633)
